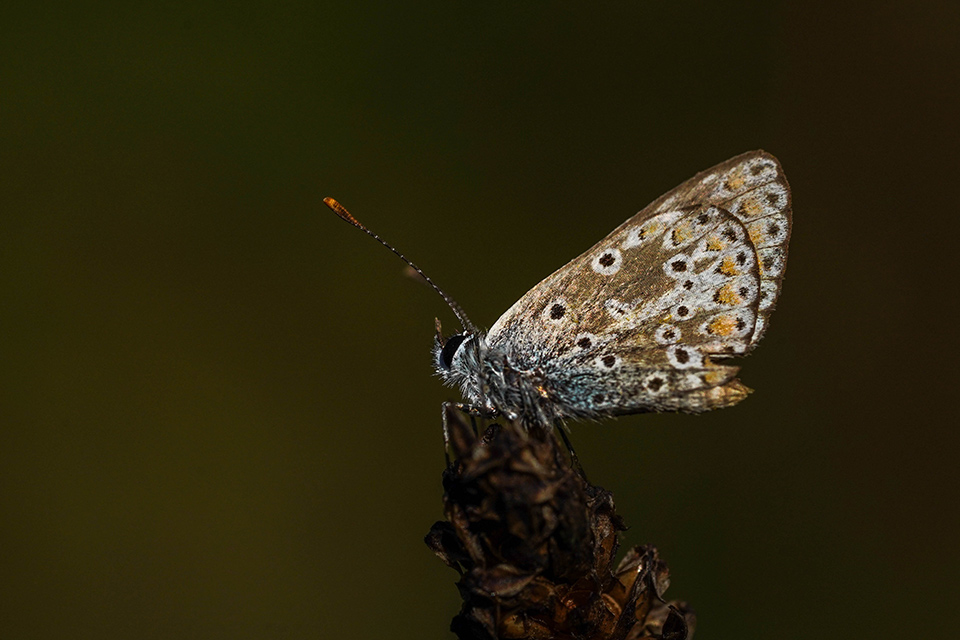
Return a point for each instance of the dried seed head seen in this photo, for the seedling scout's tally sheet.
(535, 545)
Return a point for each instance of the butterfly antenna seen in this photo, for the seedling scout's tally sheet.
(345, 215)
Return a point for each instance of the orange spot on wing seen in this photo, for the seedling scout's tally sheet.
(728, 295)
(713, 377)
(714, 244)
(757, 234)
(735, 181)
(681, 234)
(722, 326)
(728, 266)
(750, 208)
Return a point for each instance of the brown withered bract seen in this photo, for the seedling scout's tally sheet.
(535, 545)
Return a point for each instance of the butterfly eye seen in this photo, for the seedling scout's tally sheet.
(446, 354)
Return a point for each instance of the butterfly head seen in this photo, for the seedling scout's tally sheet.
(444, 357)
(451, 354)
(457, 359)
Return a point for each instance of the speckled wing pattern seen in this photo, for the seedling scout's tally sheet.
(635, 323)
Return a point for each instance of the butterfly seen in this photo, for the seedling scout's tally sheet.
(643, 320)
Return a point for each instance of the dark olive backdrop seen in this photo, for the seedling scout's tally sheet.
(218, 415)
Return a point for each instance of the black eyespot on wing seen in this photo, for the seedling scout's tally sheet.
(446, 355)
(557, 311)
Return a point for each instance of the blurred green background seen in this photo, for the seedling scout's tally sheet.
(218, 414)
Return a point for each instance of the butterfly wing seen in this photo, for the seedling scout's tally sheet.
(693, 275)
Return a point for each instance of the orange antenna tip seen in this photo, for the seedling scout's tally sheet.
(341, 211)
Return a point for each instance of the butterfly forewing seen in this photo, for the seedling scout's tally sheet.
(631, 324)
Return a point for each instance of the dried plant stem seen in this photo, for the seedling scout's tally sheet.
(535, 544)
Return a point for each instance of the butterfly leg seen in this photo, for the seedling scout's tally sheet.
(467, 409)
(561, 429)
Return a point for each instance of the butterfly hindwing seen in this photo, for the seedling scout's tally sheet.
(753, 187)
